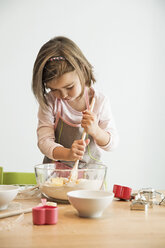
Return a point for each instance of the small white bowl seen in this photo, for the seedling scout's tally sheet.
(90, 203)
(7, 194)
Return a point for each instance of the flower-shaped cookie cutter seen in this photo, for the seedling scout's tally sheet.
(122, 192)
(45, 215)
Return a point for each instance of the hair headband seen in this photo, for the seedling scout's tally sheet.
(56, 58)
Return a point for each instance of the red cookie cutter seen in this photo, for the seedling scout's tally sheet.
(122, 192)
(45, 215)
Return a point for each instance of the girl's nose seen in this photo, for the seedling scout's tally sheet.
(63, 94)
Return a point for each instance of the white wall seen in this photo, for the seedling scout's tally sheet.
(124, 40)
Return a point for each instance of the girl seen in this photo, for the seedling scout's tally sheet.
(62, 84)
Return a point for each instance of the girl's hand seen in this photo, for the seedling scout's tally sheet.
(89, 123)
(77, 149)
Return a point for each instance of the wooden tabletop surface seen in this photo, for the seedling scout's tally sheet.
(118, 227)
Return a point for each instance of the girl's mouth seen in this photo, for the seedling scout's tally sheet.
(67, 98)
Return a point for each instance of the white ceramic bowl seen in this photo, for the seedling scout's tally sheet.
(90, 203)
(7, 194)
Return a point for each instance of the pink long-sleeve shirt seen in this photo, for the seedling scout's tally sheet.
(46, 119)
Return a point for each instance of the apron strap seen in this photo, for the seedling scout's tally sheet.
(58, 112)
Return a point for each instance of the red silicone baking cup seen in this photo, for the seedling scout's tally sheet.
(122, 192)
(45, 215)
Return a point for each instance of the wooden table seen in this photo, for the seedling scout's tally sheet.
(118, 227)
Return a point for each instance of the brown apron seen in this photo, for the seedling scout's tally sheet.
(66, 133)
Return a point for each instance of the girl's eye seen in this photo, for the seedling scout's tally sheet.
(69, 88)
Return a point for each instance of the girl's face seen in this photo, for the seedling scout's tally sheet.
(67, 87)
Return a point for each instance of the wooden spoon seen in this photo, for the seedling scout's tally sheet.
(74, 171)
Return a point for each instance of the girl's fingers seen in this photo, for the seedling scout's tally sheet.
(86, 117)
(78, 148)
(78, 154)
(80, 143)
(86, 122)
(87, 141)
(83, 143)
(86, 112)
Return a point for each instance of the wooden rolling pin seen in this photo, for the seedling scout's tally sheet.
(17, 212)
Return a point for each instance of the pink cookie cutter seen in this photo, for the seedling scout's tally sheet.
(45, 215)
(122, 192)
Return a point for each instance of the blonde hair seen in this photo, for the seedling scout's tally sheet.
(44, 69)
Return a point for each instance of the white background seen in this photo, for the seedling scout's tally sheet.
(125, 42)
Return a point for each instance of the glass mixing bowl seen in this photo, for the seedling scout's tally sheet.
(55, 182)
